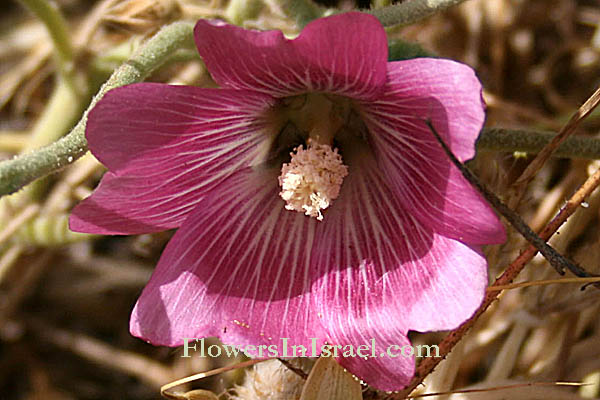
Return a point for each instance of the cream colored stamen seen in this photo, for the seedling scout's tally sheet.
(312, 180)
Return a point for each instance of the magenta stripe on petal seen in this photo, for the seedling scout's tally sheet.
(449, 95)
(239, 268)
(166, 147)
(344, 54)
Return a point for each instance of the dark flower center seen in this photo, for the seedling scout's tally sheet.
(311, 129)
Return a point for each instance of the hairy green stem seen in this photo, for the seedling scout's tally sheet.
(18, 172)
(58, 29)
(500, 139)
(412, 11)
(405, 13)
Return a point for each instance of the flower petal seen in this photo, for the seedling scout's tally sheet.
(166, 146)
(353, 319)
(344, 54)
(449, 95)
(238, 268)
(391, 274)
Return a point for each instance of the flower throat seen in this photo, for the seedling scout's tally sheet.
(313, 177)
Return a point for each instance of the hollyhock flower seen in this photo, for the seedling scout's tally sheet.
(312, 201)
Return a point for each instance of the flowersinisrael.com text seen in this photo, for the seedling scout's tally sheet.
(285, 349)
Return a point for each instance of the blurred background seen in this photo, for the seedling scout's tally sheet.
(65, 298)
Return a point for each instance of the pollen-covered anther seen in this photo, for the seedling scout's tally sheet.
(312, 180)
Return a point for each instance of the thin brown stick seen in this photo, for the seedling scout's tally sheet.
(544, 282)
(165, 389)
(498, 388)
(298, 371)
(518, 187)
(511, 272)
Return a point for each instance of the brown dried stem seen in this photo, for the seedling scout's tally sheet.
(532, 169)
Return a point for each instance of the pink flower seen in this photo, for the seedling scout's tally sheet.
(398, 246)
